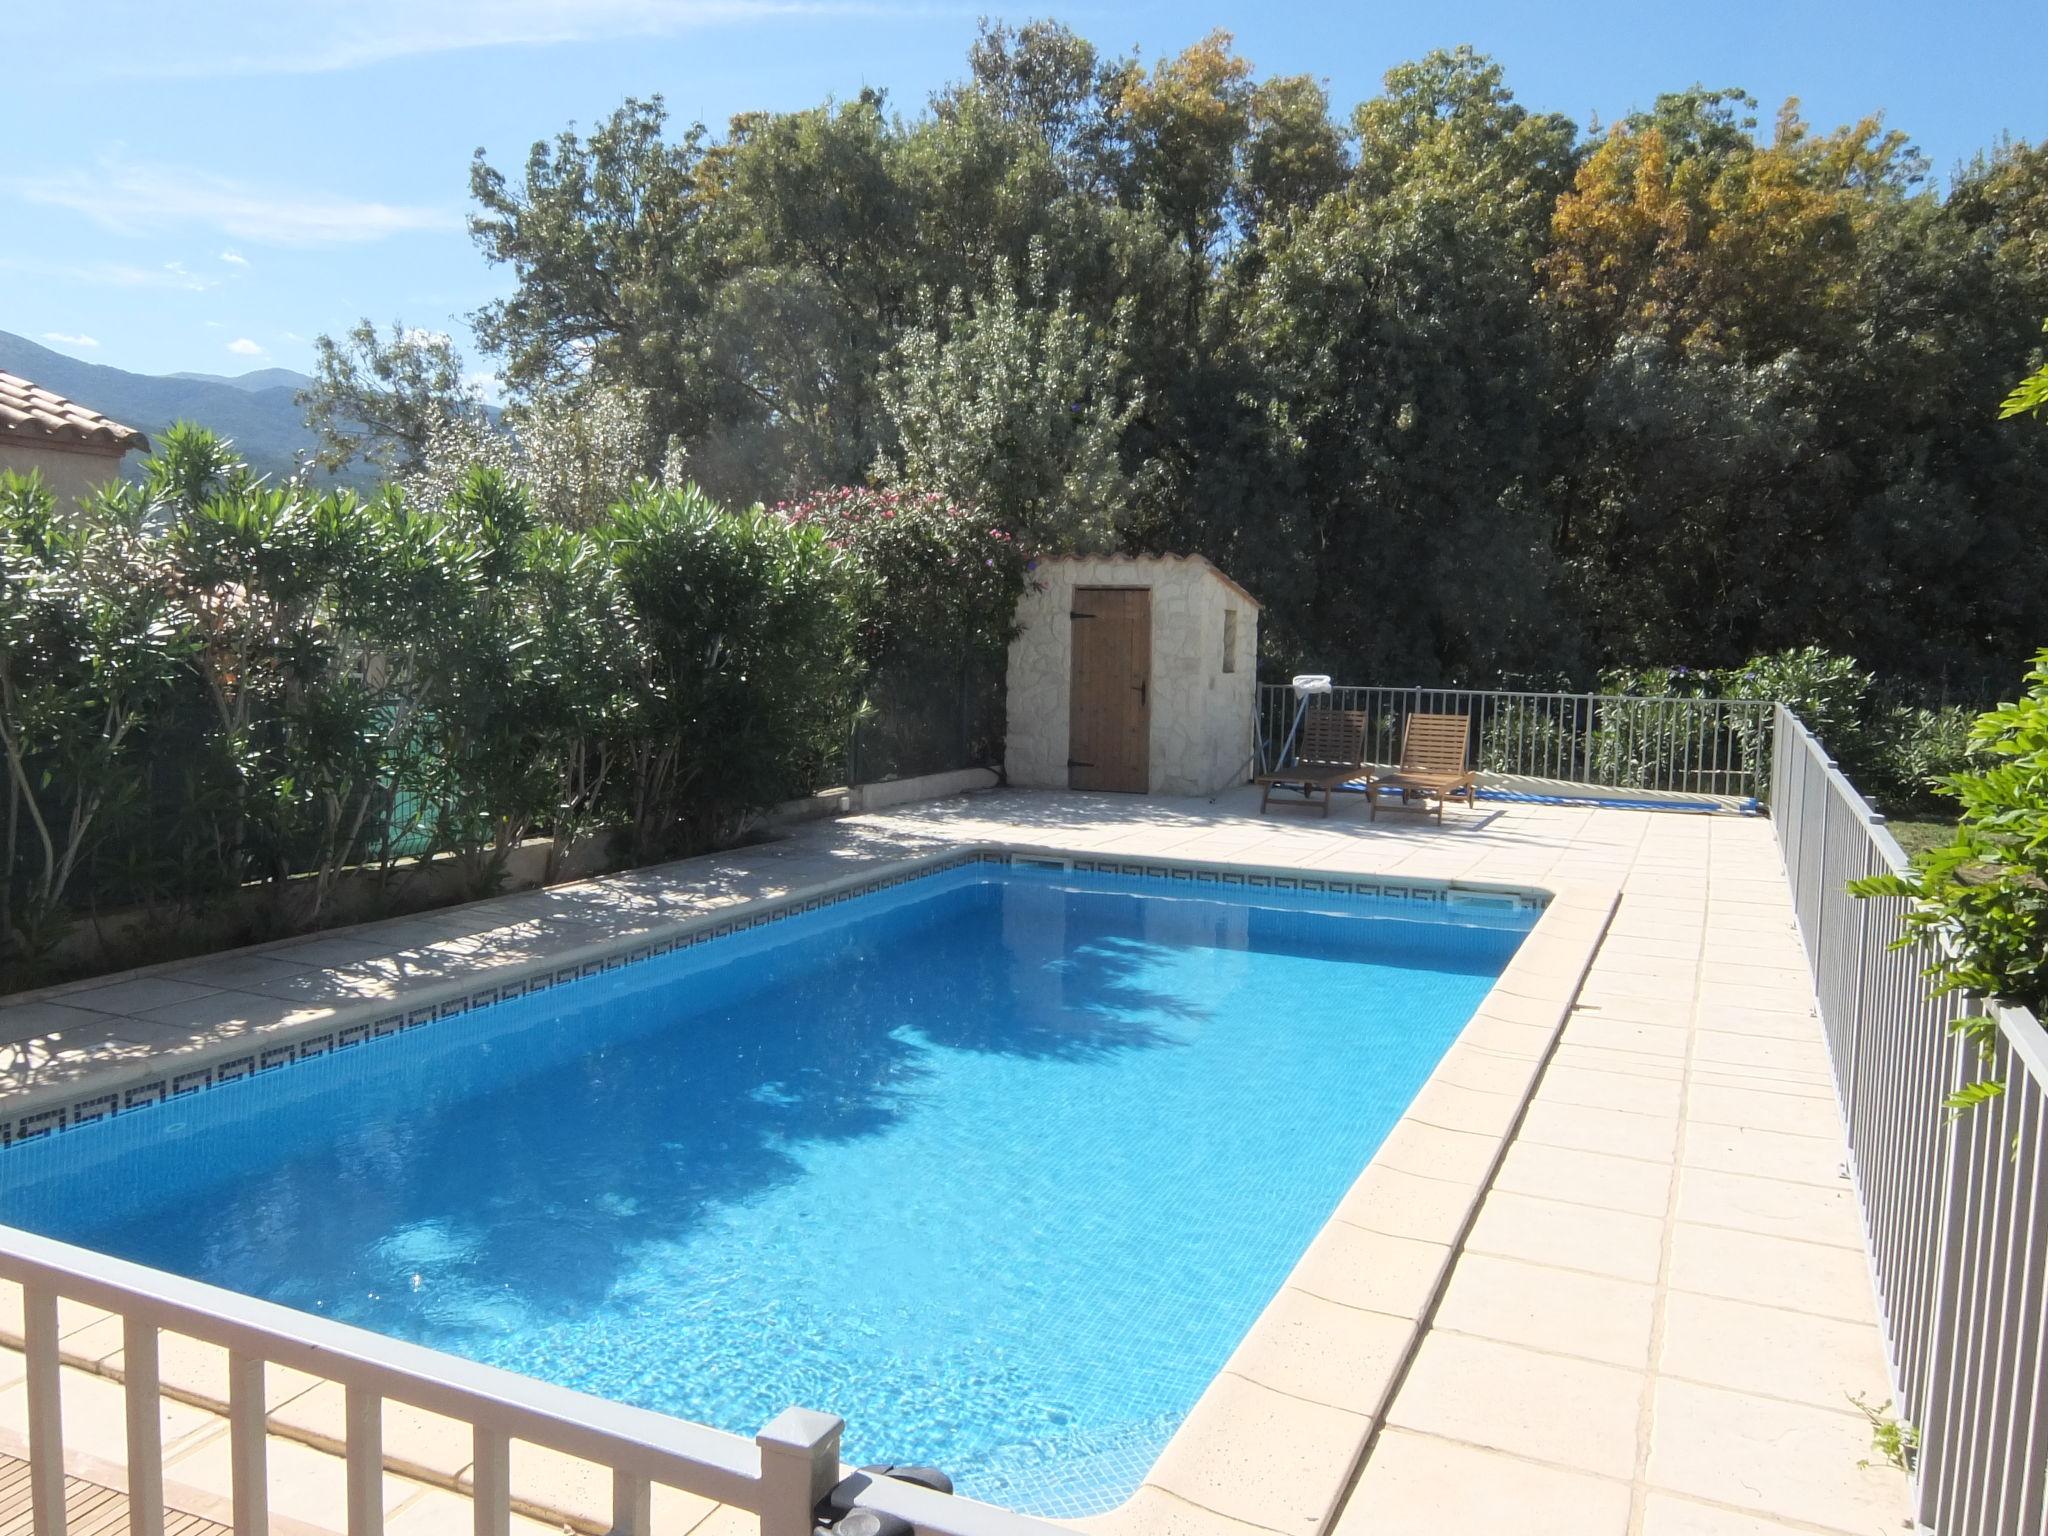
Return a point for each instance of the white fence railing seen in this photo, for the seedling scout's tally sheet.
(1718, 747)
(1955, 1208)
(779, 1475)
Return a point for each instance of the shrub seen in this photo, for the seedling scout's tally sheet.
(1827, 692)
(927, 575)
(1983, 899)
(744, 638)
(92, 638)
(1910, 751)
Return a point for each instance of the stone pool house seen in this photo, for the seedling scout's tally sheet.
(1133, 673)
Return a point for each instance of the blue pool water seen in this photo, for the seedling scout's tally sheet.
(998, 1164)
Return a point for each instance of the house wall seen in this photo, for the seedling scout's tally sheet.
(1201, 715)
(70, 473)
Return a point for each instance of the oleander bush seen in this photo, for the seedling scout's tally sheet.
(211, 684)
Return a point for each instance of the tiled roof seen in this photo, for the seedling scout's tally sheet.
(31, 414)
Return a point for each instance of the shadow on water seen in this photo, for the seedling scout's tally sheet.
(506, 1167)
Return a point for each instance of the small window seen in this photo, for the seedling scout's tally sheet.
(1230, 639)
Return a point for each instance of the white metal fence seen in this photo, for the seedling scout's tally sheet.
(1955, 1209)
(780, 1474)
(1718, 747)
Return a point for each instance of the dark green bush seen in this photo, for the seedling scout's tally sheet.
(207, 680)
(1983, 899)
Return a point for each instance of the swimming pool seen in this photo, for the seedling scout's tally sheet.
(998, 1164)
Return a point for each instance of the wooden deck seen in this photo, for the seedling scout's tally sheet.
(89, 1508)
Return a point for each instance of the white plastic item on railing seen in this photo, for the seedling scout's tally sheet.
(779, 1475)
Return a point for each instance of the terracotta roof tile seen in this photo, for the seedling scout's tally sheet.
(29, 413)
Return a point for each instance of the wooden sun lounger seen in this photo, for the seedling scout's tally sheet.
(1330, 752)
(1435, 764)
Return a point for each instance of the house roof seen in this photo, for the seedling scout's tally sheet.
(1142, 560)
(31, 414)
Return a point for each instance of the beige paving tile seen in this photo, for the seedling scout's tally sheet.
(24, 1021)
(1622, 1133)
(305, 1484)
(1148, 1512)
(1762, 1109)
(95, 1416)
(415, 1440)
(1767, 1154)
(1477, 1071)
(1260, 1456)
(1592, 1317)
(1666, 1514)
(136, 996)
(1773, 1271)
(1450, 1107)
(1608, 1028)
(189, 1365)
(1581, 1237)
(1549, 1408)
(1776, 1207)
(1811, 1086)
(1592, 1058)
(1325, 1352)
(1771, 1352)
(437, 1512)
(1432, 1152)
(1591, 1088)
(1357, 1268)
(1742, 1050)
(1408, 1205)
(1586, 1178)
(1787, 1460)
(1420, 1485)
(1716, 994)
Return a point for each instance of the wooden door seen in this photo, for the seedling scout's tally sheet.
(1109, 737)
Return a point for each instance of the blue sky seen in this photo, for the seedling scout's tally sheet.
(209, 186)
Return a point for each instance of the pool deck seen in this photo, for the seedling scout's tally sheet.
(1658, 1321)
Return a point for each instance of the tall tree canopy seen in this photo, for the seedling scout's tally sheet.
(1463, 391)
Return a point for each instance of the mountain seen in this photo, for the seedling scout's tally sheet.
(262, 378)
(256, 410)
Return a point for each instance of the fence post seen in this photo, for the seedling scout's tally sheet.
(799, 1466)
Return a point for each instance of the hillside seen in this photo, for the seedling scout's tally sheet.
(256, 410)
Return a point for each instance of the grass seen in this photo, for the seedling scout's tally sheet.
(1918, 836)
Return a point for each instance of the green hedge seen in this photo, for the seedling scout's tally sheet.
(207, 680)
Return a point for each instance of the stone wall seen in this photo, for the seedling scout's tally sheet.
(1201, 715)
(71, 474)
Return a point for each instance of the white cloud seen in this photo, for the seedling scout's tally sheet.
(70, 341)
(109, 274)
(234, 258)
(487, 386)
(131, 198)
(242, 346)
(315, 36)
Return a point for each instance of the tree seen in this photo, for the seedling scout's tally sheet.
(572, 453)
(1017, 405)
(383, 400)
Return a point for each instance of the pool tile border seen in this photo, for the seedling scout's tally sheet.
(123, 1086)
